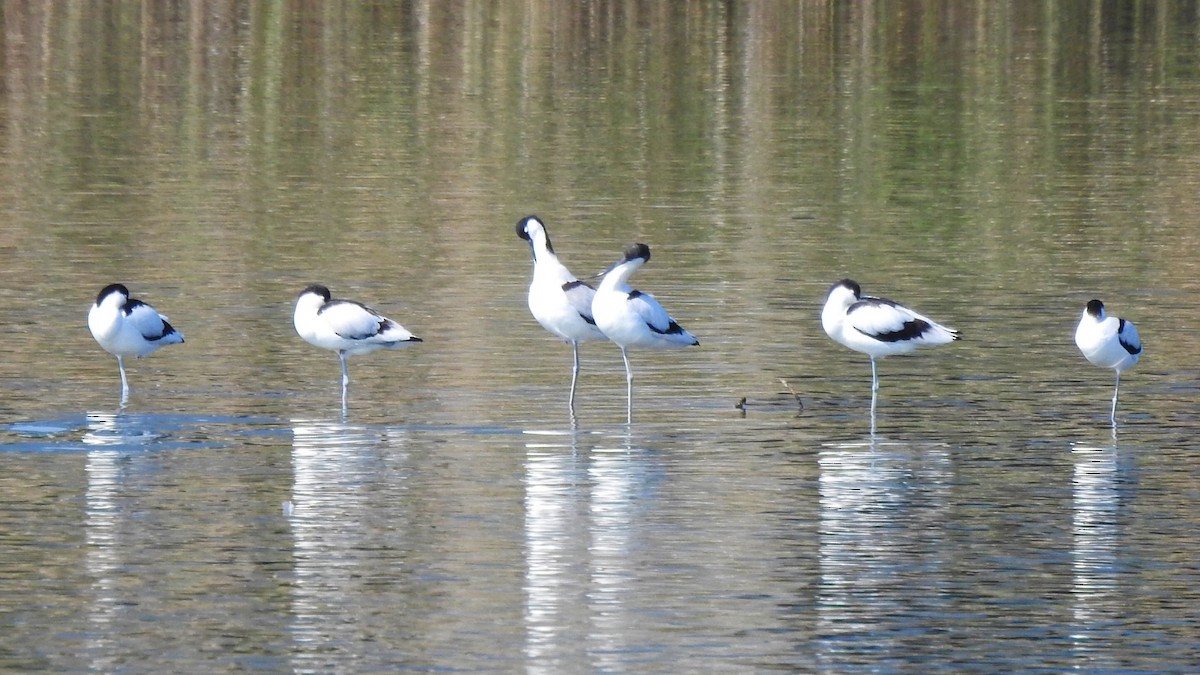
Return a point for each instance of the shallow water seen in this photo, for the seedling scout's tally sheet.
(985, 165)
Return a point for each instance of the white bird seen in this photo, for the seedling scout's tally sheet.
(1108, 342)
(345, 327)
(877, 327)
(126, 326)
(631, 318)
(557, 299)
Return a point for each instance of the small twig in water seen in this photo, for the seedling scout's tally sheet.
(794, 394)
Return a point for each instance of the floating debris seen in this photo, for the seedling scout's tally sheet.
(794, 394)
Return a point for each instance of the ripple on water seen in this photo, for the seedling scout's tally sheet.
(129, 432)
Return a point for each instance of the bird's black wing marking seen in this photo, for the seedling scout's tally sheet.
(149, 322)
(672, 329)
(898, 327)
(1129, 347)
(167, 330)
(911, 330)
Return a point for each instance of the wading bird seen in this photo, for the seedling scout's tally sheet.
(126, 326)
(558, 300)
(346, 327)
(1108, 342)
(631, 318)
(877, 327)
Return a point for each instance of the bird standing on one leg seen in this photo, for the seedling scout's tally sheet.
(631, 318)
(1108, 342)
(346, 327)
(126, 326)
(557, 299)
(877, 327)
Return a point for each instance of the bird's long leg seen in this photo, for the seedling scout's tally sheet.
(574, 377)
(124, 381)
(628, 387)
(345, 381)
(874, 394)
(1116, 390)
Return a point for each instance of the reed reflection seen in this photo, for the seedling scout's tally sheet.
(880, 511)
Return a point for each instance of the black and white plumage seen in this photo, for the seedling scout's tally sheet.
(1108, 342)
(631, 318)
(559, 301)
(126, 326)
(345, 326)
(877, 327)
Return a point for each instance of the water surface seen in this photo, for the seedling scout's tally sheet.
(992, 166)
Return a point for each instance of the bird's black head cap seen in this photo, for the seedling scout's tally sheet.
(111, 288)
(319, 290)
(850, 284)
(638, 250)
(523, 230)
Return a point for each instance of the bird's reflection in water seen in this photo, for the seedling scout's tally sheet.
(103, 519)
(621, 488)
(118, 429)
(880, 511)
(338, 532)
(114, 440)
(583, 510)
(555, 551)
(1095, 515)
